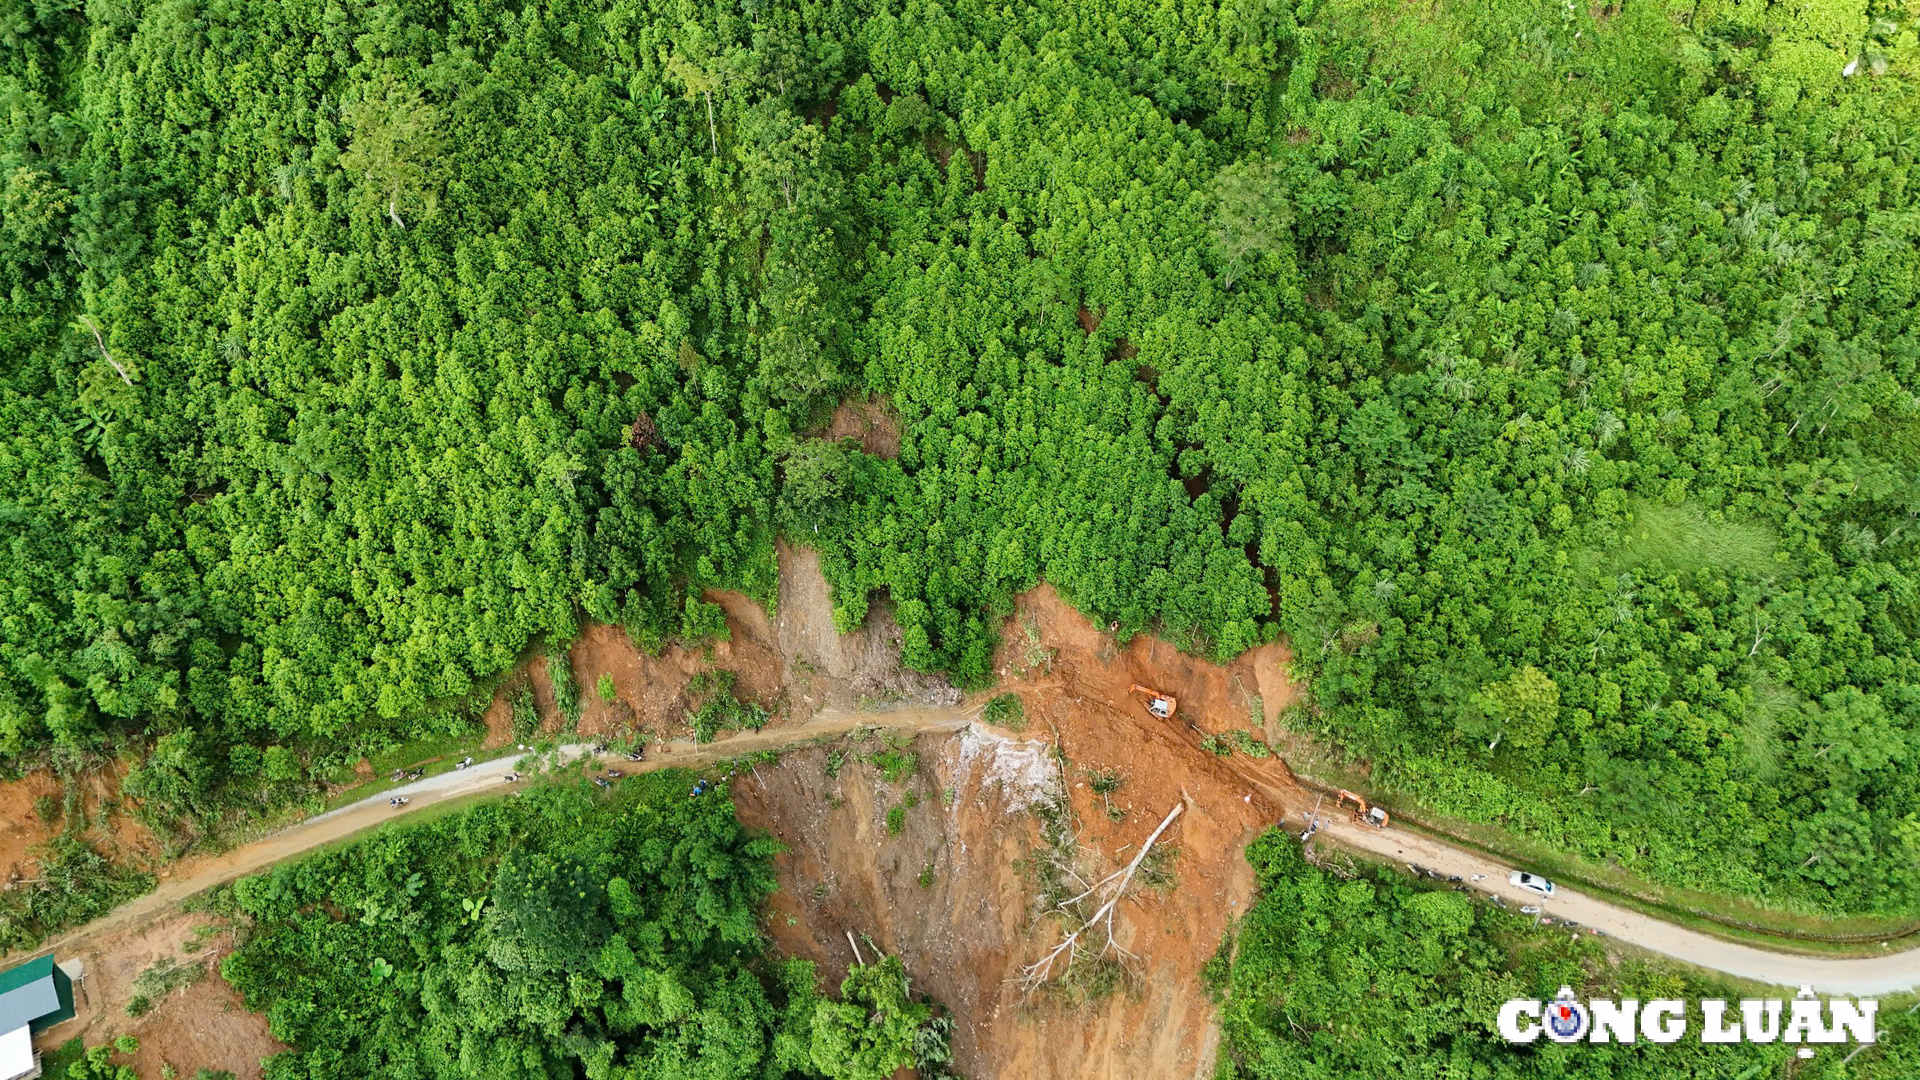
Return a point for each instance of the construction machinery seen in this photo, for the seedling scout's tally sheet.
(1159, 704)
(1370, 815)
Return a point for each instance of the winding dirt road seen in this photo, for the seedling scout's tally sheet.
(1865, 976)
(192, 876)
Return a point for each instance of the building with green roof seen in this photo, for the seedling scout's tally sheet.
(34, 996)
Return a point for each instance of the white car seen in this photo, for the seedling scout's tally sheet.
(1520, 879)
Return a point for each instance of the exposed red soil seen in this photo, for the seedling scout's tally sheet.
(1046, 640)
(869, 421)
(22, 828)
(966, 935)
(650, 689)
(792, 664)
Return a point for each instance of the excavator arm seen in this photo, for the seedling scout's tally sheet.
(1159, 704)
(1370, 815)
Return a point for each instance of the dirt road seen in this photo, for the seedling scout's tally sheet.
(191, 877)
(1866, 976)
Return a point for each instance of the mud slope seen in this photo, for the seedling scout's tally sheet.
(792, 663)
(953, 892)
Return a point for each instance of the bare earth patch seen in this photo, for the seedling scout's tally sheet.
(22, 828)
(870, 422)
(202, 1025)
(951, 891)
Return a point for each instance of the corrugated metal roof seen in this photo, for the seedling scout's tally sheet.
(33, 970)
(23, 1005)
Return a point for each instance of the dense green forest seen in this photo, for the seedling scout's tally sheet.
(1365, 977)
(558, 935)
(1543, 371)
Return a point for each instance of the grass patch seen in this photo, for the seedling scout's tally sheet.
(1249, 744)
(166, 976)
(1684, 538)
(454, 750)
(1005, 711)
(896, 820)
(411, 753)
(895, 765)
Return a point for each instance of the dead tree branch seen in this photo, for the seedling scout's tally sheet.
(101, 343)
(1114, 888)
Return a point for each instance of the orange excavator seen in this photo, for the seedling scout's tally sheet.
(1159, 704)
(1371, 815)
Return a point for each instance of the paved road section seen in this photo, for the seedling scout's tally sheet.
(1861, 976)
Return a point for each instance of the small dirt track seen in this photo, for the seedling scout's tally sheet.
(374, 810)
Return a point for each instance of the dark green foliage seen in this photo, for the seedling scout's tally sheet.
(720, 709)
(526, 715)
(349, 349)
(96, 1062)
(896, 820)
(1334, 978)
(871, 1031)
(75, 883)
(1005, 710)
(616, 936)
(566, 689)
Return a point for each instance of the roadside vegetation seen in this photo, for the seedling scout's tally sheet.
(558, 932)
(1359, 973)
